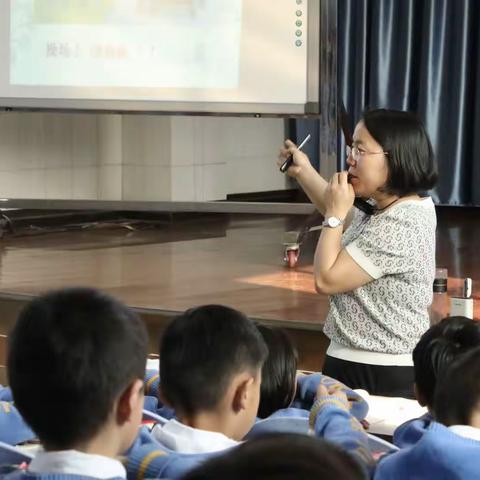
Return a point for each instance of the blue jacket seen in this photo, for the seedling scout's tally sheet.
(149, 459)
(307, 388)
(151, 382)
(13, 429)
(286, 420)
(329, 419)
(440, 454)
(295, 418)
(153, 405)
(409, 433)
(6, 394)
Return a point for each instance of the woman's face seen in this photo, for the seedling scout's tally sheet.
(368, 171)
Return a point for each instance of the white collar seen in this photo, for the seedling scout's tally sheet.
(184, 439)
(466, 431)
(73, 462)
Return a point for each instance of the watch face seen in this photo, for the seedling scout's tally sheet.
(333, 222)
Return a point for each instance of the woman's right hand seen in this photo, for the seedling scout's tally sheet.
(301, 163)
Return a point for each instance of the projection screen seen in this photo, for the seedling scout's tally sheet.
(182, 56)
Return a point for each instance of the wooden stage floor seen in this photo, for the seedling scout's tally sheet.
(235, 260)
(231, 259)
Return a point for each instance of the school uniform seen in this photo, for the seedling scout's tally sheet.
(307, 386)
(70, 465)
(147, 458)
(181, 438)
(13, 429)
(6, 394)
(409, 433)
(152, 456)
(151, 382)
(442, 453)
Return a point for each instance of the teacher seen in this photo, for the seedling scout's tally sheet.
(376, 263)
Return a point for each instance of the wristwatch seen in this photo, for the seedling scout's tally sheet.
(332, 222)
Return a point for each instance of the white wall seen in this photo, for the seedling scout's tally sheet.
(214, 156)
(136, 157)
(48, 156)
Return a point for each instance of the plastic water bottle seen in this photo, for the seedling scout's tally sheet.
(440, 307)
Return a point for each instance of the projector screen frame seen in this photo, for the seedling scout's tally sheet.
(310, 108)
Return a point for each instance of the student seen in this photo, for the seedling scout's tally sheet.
(76, 364)
(279, 372)
(277, 389)
(211, 359)
(436, 350)
(330, 418)
(286, 396)
(210, 365)
(451, 446)
(281, 457)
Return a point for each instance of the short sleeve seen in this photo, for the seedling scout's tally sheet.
(386, 245)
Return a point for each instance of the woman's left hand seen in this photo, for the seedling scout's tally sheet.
(339, 196)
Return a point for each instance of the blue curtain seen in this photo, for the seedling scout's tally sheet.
(422, 56)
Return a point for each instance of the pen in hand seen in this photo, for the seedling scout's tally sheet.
(289, 161)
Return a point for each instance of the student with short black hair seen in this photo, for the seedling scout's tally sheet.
(210, 365)
(281, 457)
(283, 394)
(451, 446)
(211, 359)
(457, 398)
(76, 362)
(438, 347)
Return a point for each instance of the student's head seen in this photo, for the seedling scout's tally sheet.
(279, 372)
(76, 363)
(210, 365)
(437, 349)
(457, 399)
(281, 457)
(392, 155)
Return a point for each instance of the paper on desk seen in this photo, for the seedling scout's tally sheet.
(385, 414)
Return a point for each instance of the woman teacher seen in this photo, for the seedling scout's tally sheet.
(377, 266)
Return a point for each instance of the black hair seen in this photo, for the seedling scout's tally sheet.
(279, 372)
(281, 456)
(411, 164)
(200, 352)
(458, 393)
(71, 353)
(438, 348)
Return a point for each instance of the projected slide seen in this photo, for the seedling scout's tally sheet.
(243, 56)
(191, 44)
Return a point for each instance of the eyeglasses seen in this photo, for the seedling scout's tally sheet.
(358, 154)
